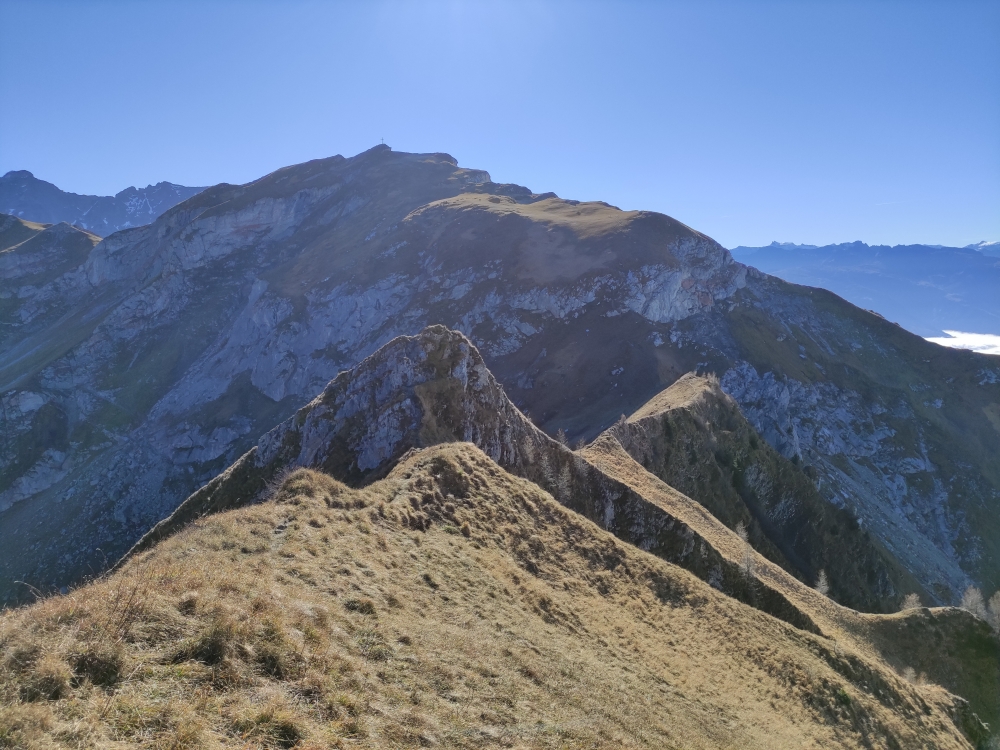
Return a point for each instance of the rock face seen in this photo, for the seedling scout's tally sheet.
(25, 196)
(161, 356)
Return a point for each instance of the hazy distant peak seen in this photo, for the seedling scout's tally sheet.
(25, 196)
(792, 246)
(22, 173)
(986, 247)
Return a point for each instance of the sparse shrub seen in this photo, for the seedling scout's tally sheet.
(188, 603)
(910, 601)
(972, 601)
(354, 727)
(564, 485)
(212, 645)
(313, 687)
(274, 724)
(843, 697)
(128, 599)
(47, 680)
(277, 660)
(349, 704)
(372, 645)
(21, 657)
(822, 584)
(101, 663)
(361, 606)
(172, 725)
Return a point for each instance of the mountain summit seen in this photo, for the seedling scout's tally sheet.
(138, 370)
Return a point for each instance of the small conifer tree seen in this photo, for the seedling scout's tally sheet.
(822, 584)
(747, 563)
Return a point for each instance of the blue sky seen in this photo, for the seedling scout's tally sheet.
(803, 121)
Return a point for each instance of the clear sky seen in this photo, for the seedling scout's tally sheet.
(805, 121)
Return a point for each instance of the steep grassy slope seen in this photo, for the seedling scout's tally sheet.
(694, 438)
(14, 231)
(448, 604)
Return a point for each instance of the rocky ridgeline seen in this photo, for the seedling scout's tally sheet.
(136, 373)
(435, 388)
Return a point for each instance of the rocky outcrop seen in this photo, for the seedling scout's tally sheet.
(849, 443)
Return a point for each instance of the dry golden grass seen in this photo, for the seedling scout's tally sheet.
(450, 604)
(952, 648)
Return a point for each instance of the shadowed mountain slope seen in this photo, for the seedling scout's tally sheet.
(694, 438)
(14, 231)
(171, 348)
(326, 615)
(25, 196)
(33, 253)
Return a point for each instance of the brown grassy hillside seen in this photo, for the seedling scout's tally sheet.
(449, 604)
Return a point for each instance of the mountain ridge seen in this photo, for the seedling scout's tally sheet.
(25, 196)
(148, 368)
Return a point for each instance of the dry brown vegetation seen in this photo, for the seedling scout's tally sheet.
(449, 604)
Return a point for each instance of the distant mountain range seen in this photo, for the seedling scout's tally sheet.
(927, 289)
(25, 196)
